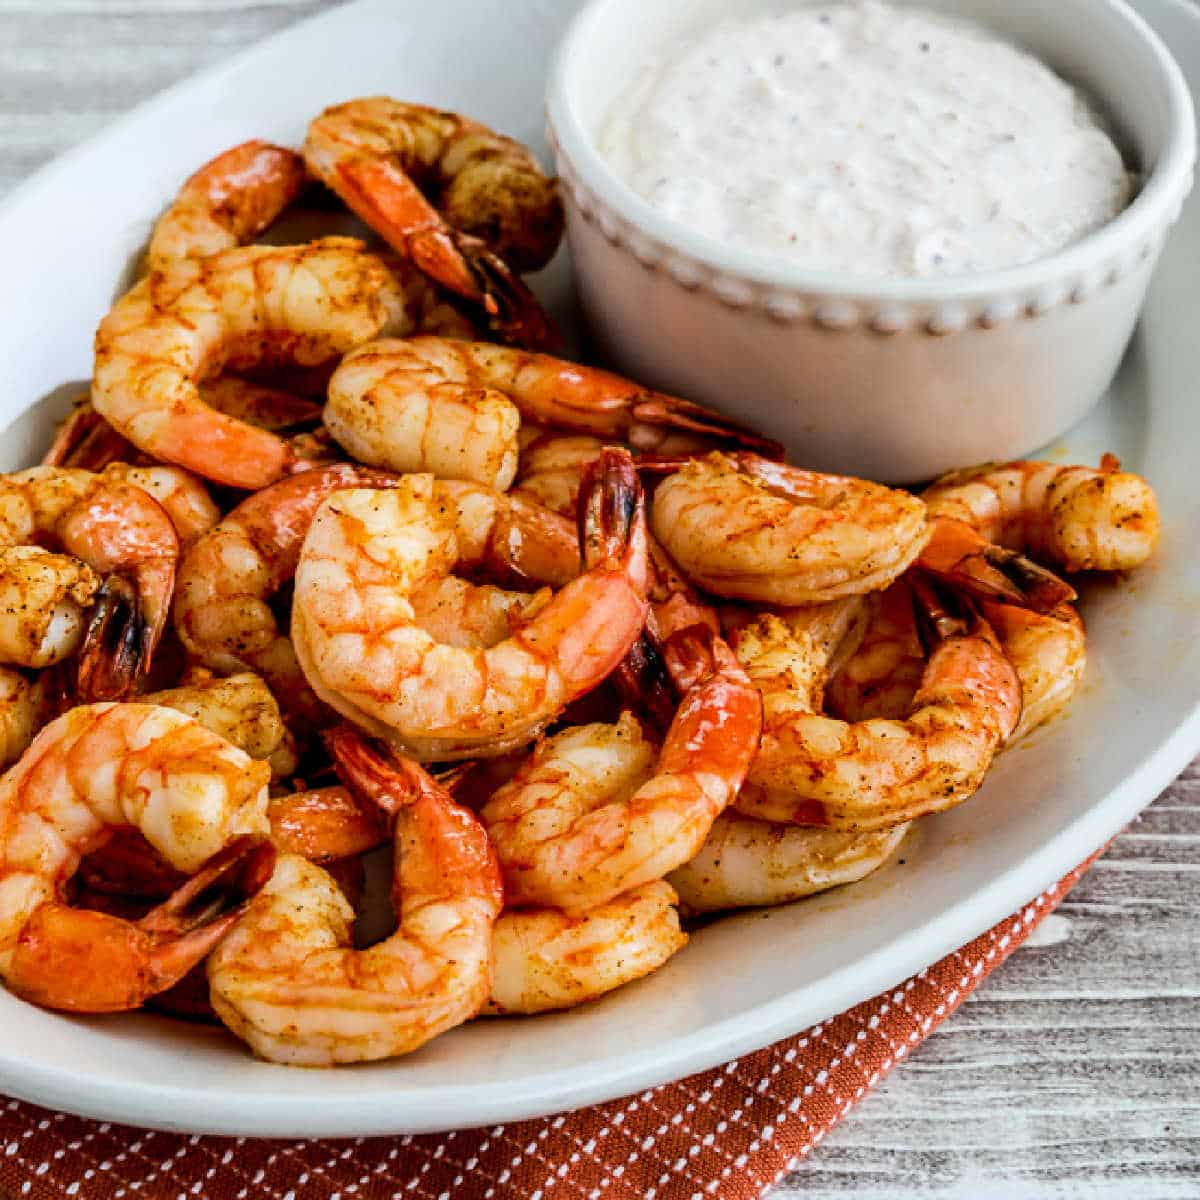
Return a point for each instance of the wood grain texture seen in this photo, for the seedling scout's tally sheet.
(1073, 1071)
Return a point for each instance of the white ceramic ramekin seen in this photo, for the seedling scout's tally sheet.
(895, 379)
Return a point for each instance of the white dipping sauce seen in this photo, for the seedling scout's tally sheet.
(868, 139)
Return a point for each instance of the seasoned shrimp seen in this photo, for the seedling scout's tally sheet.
(363, 653)
(196, 799)
(454, 408)
(286, 980)
(198, 317)
(227, 202)
(748, 864)
(44, 598)
(816, 770)
(1049, 653)
(113, 526)
(1077, 518)
(491, 213)
(598, 810)
(546, 960)
(750, 529)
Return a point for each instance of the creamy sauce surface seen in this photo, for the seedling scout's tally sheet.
(870, 139)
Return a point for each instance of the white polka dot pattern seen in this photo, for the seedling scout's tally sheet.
(730, 1133)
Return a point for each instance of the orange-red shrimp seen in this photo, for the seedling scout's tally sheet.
(493, 212)
(286, 979)
(199, 801)
(355, 633)
(198, 317)
(598, 810)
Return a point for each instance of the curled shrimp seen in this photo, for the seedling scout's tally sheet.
(454, 407)
(285, 978)
(107, 522)
(491, 213)
(198, 317)
(598, 810)
(199, 801)
(547, 960)
(750, 529)
(362, 651)
(1076, 518)
(816, 770)
(230, 200)
(746, 863)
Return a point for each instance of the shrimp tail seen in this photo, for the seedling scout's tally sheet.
(645, 684)
(115, 653)
(960, 555)
(388, 200)
(388, 781)
(611, 512)
(85, 961)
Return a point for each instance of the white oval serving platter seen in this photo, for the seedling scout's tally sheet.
(70, 236)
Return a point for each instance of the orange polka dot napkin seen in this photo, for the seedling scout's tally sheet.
(731, 1132)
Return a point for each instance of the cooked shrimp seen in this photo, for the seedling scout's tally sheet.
(598, 810)
(546, 960)
(228, 576)
(240, 709)
(198, 317)
(491, 212)
(227, 202)
(1049, 653)
(750, 529)
(113, 526)
(748, 864)
(816, 770)
(454, 407)
(44, 598)
(1077, 518)
(97, 767)
(285, 979)
(355, 636)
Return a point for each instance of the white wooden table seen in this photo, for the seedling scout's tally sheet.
(1073, 1071)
